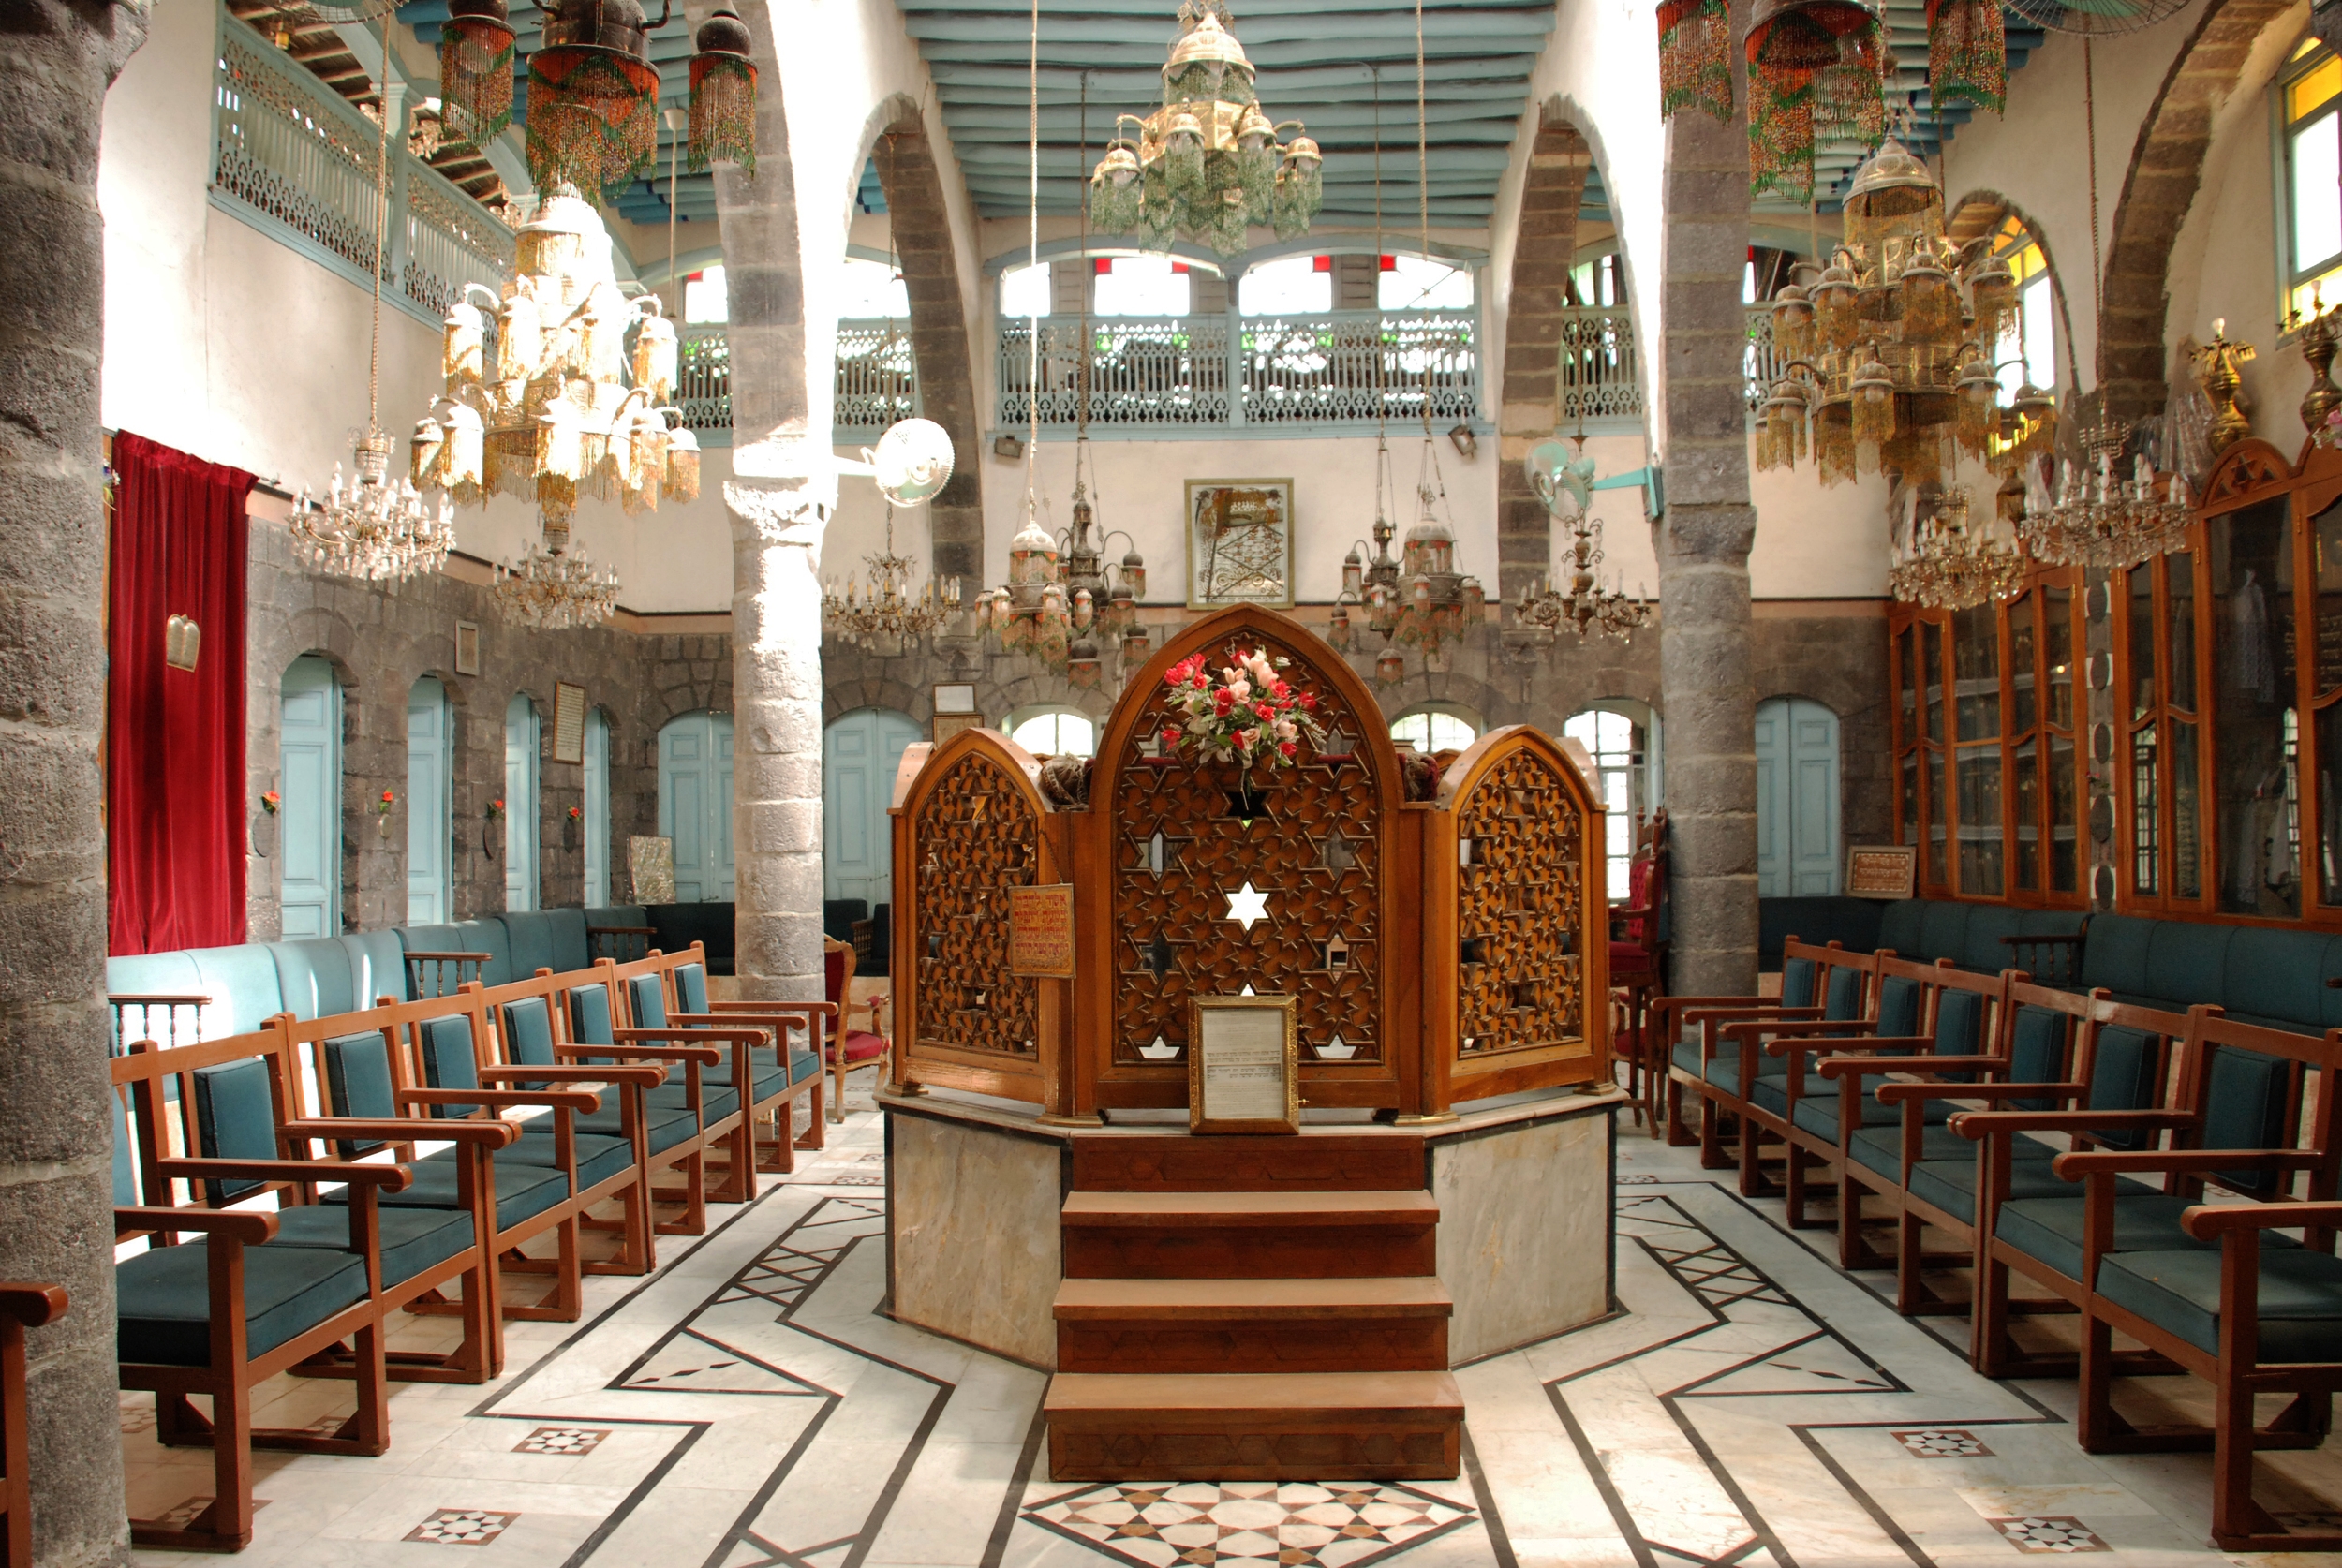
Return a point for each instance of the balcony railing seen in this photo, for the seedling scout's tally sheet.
(292, 156)
(1284, 372)
(878, 382)
(1601, 374)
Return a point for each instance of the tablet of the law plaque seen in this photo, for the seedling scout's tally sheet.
(1242, 1069)
(1881, 871)
(1041, 930)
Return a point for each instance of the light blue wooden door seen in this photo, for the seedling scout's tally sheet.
(430, 897)
(597, 809)
(695, 804)
(309, 768)
(520, 803)
(859, 755)
(1797, 799)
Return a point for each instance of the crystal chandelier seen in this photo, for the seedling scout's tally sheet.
(1208, 162)
(593, 90)
(2097, 518)
(1564, 482)
(1882, 357)
(1947, 561)
(890, 612)
(551, 416)
(376, 530)
(555, 590)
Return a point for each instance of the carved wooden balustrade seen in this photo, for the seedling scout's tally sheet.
(1438, 950)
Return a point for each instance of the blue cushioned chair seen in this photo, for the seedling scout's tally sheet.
(2237, 1088)
(223, 1299)
(593, 1028)
(725, 1094)
(2219, 1292)
(778, 1085)
(1818, 984)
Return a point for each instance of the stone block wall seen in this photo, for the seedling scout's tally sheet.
(379, 642)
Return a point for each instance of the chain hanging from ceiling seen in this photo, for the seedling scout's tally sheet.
(593, 89)
(1208, 162)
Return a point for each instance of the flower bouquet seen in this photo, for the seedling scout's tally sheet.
(1249, 714)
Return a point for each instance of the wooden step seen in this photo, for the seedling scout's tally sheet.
(1252, 1325)
(1248, 1236)
(1246, 1427)
(1312, 1162)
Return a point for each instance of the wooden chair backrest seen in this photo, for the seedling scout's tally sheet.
(164, 1127)
(2234, 1074)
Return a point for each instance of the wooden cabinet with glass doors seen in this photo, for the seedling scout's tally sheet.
(1988, 765)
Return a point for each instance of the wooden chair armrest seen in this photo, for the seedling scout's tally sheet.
(707, 1055)
(575, 1100)
(32, 1305)
(1769, 1008)
(2078, 1163)
(1793, 1027)
(774, 1005)
(251, 1226)
(1983, 1124)
(155, 999)
(390, 1179)
(735, 1036)
(1848, 1045)
(649, 1077)
(1870, 1067)
(622, 930)
(1895, 1094)
(403, 1130)
(2209, 1221)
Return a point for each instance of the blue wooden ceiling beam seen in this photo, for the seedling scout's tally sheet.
(1346, 78)
(1513, 27)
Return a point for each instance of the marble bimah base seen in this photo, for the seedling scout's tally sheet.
(1523, 1183)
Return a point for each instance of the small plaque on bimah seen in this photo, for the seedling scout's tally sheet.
(1243, 1072)
(1881, 871)
(1041, 931)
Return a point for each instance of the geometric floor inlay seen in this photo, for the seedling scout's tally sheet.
(462, 1527)
(2050, 1534)
(562, 1439)
(1336, 1525)
(1944, 1443)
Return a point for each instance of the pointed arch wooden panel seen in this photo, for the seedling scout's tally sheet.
(1516, 957)
(1165, 842)
(970, 825)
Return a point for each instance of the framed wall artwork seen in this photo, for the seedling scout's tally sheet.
(955, 697)
(946, 725)
(1881, 871)
(568, 722)
(467, 647)
(1240, 542)
(1242, 1065)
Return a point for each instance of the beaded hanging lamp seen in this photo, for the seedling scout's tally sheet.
(1696, 57)
(1803, 55)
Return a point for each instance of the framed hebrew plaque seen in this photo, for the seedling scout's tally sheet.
(1041, 930)
(568, 722)
(1240, 542)
(1242, 1065)
(1883, 871)
(944, 726)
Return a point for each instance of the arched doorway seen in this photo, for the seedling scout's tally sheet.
(1797, 799)
(310, 775)
(1621, 736)
(520, 803)
(859, 755)
(595, 809)
(430, 886)
(695, 804)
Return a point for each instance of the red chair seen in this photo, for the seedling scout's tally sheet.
(1639, 972)
(852, 1049)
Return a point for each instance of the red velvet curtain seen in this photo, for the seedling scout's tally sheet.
(174, 739)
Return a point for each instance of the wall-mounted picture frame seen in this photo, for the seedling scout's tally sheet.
(568, 722)
(1240, 542)
(949, 724)
(955, 697)
(1881, 870)
(467, 647)
(1243, 1065)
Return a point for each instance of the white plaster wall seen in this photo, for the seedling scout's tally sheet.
(1818, 544)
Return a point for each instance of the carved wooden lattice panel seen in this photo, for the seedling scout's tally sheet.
(1311, 849)
(976, 837)
(1518, 901)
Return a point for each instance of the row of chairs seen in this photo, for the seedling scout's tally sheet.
(425, 1158)
(2168, 1178)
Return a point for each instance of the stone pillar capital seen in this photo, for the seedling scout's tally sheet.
(782, 512)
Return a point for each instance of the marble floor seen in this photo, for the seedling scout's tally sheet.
(749, 1407)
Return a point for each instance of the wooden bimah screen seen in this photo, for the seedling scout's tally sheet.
(1432, 948)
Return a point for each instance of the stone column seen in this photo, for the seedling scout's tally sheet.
(777, 735)
(56, 1139)
(1705, 651)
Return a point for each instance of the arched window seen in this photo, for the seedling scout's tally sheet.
(1434, 728)
(1797, 800)
(695, 804)
(2027, 349)
(596, 808)
(430, 890)
(1619, 740)
(1296, 286)
(1418, 283)
(2311, 102)
(309, 773)
(522, 739)
(871, 291)
(1142, 286)
(1054, 732)
(1026, 291)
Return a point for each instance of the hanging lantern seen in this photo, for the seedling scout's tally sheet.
(723, 93)
(1114, 191)
(1993, 290)
(682, 482)
(1833, 297)
(593, 111)
(1980, 393)
(1790, 44)
(1793, 323)
(1696, 57)
(654, 351)
(1850, 93)
(1873, 401)
(1968, 53)
(464, 339)
(1931, 305)
(475, 70)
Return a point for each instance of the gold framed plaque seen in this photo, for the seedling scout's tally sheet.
(1041, 930)
(568, 722)
(1243, 1068)
(944, 726)
(1881, 871)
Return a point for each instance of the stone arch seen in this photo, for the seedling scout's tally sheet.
(897, 141)
(1529, 404)
(2159, 185)
(1977, 216)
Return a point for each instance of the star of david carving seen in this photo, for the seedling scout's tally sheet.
(1246, 904)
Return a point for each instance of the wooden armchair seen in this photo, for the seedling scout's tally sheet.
(852, 1049)
(778, 1073)
(22, 1307)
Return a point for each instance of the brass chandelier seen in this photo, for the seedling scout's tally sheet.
(1208, 162)
(889, 612)
(1564, 482)
(554, 591)
(1949, 560)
